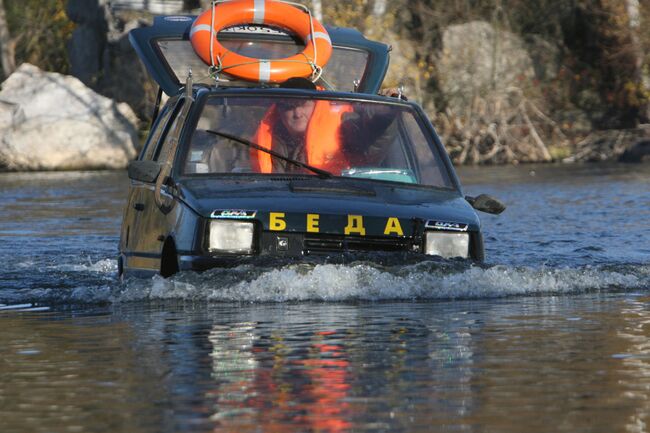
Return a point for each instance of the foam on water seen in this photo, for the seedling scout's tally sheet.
(365, 282)
(428, 280)
(105, 266)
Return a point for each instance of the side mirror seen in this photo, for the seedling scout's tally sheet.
(144, 171)
(486, 203)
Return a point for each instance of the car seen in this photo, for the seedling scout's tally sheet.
(205, 192)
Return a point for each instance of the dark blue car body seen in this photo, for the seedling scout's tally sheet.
(166, 222)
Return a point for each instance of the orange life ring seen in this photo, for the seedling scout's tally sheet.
(266, 12)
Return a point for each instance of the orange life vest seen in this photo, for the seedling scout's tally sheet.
(323, 141)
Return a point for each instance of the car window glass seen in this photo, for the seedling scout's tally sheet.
(163, 148)
(345, 67)
(368, 139)
(154, 135)
(430, 164)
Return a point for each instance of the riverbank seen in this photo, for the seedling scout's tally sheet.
(500, 87)
(616, 145)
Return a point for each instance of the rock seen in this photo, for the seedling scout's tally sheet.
(10, 114)
(626, 145)
(85, 11)
(50, 121)
(88, 43)
(403, 70)
(125, 79)
(477, 59)
(85, 51)
(101, 55)
(573, 121)
(638, 152)
(546, 57)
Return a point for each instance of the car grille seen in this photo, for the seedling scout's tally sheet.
(334, 243)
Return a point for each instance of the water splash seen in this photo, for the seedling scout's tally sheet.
(365, 282)
(105, 266)
(96, 282)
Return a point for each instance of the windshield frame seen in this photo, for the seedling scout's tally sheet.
(204, 95)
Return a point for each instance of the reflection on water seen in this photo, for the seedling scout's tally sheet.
(635, 357)
(262, 381)
(75, 375)
(526, 364)
(551, 334)
(234, 370)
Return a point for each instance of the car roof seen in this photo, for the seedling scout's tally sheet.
(166, 51)
(276, 92)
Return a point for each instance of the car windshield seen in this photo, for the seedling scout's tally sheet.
(356, 139)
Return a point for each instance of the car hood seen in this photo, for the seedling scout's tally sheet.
(333, 197)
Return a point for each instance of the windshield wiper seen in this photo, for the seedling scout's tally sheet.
(321, 173)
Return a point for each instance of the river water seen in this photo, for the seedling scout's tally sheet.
(551, 334)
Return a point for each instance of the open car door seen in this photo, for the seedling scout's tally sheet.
(356, 65)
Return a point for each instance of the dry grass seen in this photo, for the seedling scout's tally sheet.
(500, 128)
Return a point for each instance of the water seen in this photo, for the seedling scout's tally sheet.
(550, 334)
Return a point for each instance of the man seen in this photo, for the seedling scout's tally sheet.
(324, 134)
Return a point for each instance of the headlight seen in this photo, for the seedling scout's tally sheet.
(231, 236)
(446, 244)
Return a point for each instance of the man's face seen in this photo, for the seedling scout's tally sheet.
(295, 115)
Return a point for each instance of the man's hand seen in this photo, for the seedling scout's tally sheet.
(393, 92)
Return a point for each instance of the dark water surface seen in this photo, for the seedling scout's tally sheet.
(551, 334)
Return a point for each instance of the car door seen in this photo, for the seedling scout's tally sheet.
(152, 223)
(134, 201)
(141, 210)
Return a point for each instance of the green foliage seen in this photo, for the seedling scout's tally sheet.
(40, 30)
(351, 13)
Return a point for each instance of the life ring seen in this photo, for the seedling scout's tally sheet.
(266, 12)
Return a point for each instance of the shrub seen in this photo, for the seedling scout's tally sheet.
(40, 30)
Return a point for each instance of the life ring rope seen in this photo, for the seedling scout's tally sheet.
(260, 20)
(264, 63)
(266, 70)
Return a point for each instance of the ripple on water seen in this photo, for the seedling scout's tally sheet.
(567, 231)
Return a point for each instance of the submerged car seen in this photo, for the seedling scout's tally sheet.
(206, 191)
